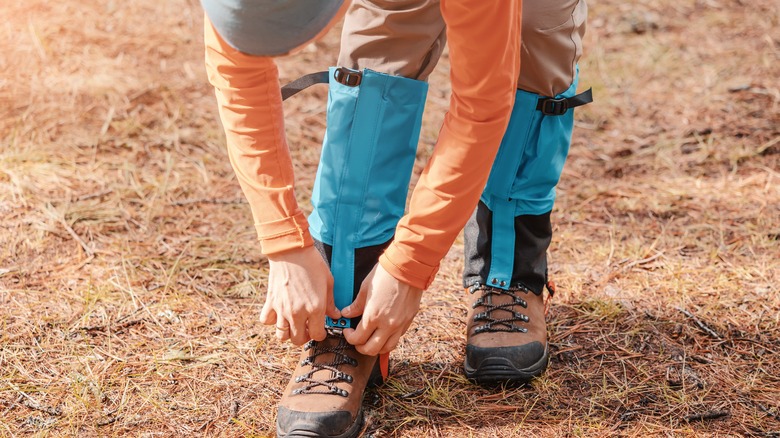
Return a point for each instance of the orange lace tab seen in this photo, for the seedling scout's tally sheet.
(550, 294)
(384, 365)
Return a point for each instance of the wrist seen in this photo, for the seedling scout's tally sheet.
(291, 253)
(406, 270)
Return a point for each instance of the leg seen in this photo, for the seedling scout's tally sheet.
(400, 38)
(507, 237)
(373, 124)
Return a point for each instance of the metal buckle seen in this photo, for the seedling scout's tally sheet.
(555, 107)
(345, 76)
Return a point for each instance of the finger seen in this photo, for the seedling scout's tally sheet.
(282, 329)
(316, 326)
(267, 314)
(282, 335)
(359, 335)
(357, 306)
(331, 310)
(392, 342)
(298, 332)
(375, 343)
(316, 322)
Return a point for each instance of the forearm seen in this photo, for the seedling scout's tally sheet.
(484, 39)
(250, 106)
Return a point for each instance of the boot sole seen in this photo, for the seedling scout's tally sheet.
(498, 370)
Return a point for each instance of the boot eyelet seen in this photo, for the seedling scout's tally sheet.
(344, 376)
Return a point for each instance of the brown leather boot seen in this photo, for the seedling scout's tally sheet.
(506, 341)
(324, 397)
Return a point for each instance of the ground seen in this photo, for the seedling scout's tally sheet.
(131, 279)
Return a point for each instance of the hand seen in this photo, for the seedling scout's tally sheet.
(388, 307)
(300, 295)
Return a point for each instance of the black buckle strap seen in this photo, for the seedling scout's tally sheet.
(304, 82)
(348, 77)
(558, 107)
(342, 75)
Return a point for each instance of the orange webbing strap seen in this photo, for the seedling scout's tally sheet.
(384, 365)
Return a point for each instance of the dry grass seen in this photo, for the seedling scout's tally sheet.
(130, 280)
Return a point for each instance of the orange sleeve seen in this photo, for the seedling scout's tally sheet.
(484, 40)
(250, 106)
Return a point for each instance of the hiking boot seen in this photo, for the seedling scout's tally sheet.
(506, 339)
(324, 397)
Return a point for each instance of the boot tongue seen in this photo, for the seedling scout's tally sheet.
(330, 364)
(330, 352)
(502, 298)
(499, 310)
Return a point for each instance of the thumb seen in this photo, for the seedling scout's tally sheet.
(357, 306)
(331, 310)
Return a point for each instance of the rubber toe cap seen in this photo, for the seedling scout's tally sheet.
(335, 424)
(521, 357)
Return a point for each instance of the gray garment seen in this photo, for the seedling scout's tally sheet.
(270, 27)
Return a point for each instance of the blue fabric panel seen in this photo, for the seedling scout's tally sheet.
(522, 180)
(502, 244)
(269, 27)
(366, 163)
(531, 157)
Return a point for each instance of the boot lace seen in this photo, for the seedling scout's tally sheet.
(339, 350)
(493, 324)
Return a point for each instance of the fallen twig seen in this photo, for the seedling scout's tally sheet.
(768, 411)
(26, 400)
(92, 195)
(107, 420)
(77, 238)
(34, 405)
(115, 328)
(207, 201)
(710, 415)
(12, 405)
(712, 333)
